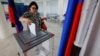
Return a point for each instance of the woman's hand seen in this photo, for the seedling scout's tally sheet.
(25, 20)
(44, 18)
(28, 21)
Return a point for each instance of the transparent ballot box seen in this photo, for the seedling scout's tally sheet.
(27, 41)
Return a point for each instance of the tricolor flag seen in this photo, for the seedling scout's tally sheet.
(74, 28)
(14, 15)
(85, 19)
(67, 26)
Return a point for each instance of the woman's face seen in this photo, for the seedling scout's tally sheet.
(33, 9)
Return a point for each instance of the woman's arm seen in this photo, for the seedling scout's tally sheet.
(25, 20)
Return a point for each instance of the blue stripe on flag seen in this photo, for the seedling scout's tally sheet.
(81, 1)
(67, 25)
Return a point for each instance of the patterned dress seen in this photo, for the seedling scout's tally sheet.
(35, 18)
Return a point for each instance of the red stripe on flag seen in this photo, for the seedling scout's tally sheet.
(11, 15)
(73, 29)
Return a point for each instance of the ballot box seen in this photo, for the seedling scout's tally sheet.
(29, 44)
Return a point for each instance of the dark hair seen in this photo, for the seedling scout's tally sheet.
(33, 3)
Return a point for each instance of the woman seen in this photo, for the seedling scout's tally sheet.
(32, 16)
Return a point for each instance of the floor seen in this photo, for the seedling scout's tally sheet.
(8, 46)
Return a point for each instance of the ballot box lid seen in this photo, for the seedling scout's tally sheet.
(27, 36)
(27, 40)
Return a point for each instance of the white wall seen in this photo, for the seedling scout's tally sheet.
(5, 29)
(53, 6)
(62, 6)
(40, 4)
(48, 6)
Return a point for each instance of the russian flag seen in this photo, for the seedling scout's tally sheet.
(67, 26)
(74, 28)
(14, 15)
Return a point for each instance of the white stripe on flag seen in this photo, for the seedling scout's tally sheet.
(86, 49)
(86, 17)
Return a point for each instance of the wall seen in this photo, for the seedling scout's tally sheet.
(5, 29)
(62, 6)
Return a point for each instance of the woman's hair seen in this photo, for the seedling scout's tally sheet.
(33, 3)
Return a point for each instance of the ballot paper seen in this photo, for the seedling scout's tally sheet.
(32, 28)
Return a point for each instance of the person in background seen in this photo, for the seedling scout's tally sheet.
(33, 16)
